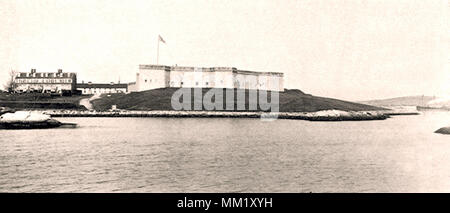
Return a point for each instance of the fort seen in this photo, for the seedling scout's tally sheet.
(161, 76)
(152, 77)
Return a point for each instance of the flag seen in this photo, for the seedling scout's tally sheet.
(161, 39)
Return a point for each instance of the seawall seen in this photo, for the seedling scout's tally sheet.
(329, 115)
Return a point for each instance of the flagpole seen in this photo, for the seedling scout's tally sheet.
(157, 54)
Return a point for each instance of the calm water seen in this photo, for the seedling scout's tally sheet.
(401, 154)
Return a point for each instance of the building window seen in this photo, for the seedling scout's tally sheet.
(145, 80)
(196, 83)
(206, 83)
(182, 83)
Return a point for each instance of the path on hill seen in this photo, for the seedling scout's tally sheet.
(86, 102)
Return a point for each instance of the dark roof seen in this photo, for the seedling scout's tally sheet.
(102, 86)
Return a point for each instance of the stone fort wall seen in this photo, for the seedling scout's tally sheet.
(160, 76)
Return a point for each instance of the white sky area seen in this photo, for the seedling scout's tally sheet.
(353, 50)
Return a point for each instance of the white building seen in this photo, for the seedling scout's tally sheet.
(160, 76)
(46, 82)
(90, 88)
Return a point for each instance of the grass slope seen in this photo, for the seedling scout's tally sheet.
(40, 101)
(290, 101)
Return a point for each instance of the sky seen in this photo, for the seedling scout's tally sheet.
(346, 49)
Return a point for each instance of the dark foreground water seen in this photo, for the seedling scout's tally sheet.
(401, 154)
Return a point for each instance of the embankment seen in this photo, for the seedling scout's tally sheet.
(39, 105)
(328, 115)
(28, 101)
(291, 100)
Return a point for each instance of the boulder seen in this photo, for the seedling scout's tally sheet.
(339, 115)
(443, 130)
(27, 120)
(24, 116)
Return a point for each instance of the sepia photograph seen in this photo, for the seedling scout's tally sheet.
(209, 96)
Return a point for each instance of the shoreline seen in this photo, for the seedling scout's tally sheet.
(327, 115)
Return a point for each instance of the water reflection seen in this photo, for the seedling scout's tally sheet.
(401, 154)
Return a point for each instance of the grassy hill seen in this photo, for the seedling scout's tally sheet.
(400, 101)
(290, 101)
(40, 101)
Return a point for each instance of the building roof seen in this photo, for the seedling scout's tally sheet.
(90, 85)
(26, 75)
(204, 69)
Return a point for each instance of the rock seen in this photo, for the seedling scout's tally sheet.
(443, 130)
(27, 120)
(51, 123)
(338, 115)
(21, 116)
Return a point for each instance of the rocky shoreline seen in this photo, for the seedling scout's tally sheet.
(326, 115)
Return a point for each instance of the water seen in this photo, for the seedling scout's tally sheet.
(401, 154)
